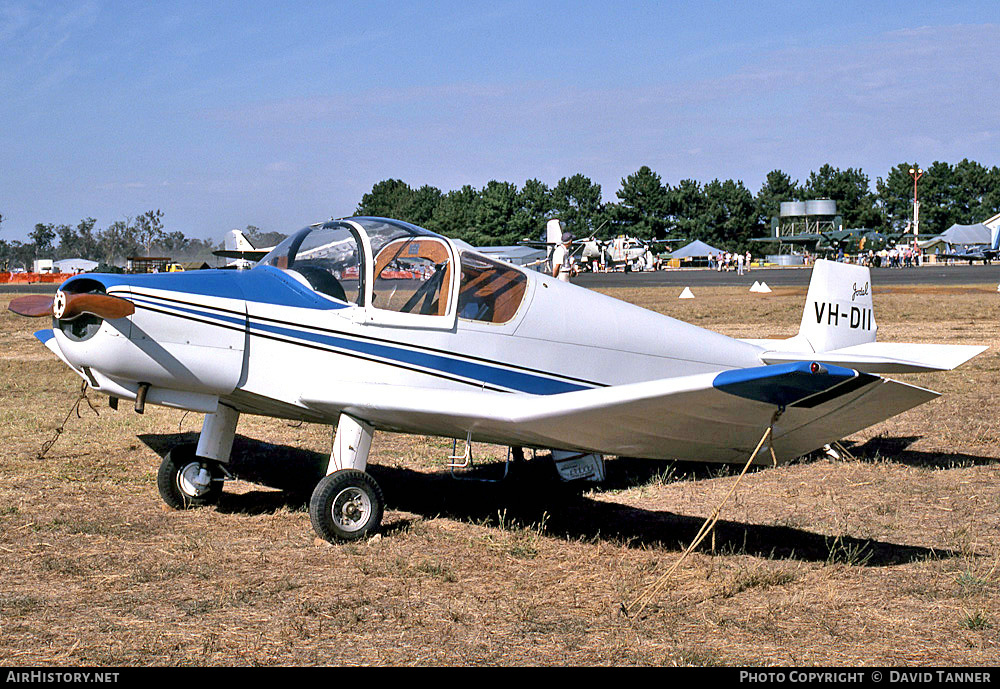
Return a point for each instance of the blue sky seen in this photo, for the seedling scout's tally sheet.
(280, 114)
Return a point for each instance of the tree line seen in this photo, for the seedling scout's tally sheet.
(142, 235)
(723, 213)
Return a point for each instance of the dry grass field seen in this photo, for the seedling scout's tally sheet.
(891, 557)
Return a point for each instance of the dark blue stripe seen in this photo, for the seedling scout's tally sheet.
(480, 373)
(205, 314)
(781, 384)
(44, 336)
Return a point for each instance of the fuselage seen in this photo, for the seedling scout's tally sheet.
(253, 339)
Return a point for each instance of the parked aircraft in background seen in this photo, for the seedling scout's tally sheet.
(374, 324)
(986, 254)
(630, 253)
(241, 250)
(623, 252)
(849, 241)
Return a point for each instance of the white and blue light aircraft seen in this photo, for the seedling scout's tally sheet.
(371, 323)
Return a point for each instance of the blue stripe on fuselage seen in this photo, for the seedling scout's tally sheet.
(475, 373)
(143, 299)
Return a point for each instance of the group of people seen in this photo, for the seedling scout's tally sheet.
(896, 257)
(726, 261)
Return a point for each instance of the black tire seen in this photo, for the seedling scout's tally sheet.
(179, 477)
(347, 505)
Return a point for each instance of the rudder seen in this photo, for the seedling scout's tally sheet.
(838, 311)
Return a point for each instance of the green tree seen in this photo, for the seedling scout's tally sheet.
(577, 200)
(389, 198)
(494, 214)
(991, 200)
(42, 237)
(535, 206)
(895, 196)
(455, 214)
(117, 242)
(423, 201)
(69, 241)
(971, 188)
(936, 193)
(643, 203)
(687, 208)
(730, 214)
(149, 229)
(86, 242)
(777, 187)
(856, 203)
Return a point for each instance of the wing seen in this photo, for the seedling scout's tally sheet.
(705, 417)
(790, 239)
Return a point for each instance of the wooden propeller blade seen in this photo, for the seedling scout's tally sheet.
(32, 305)
(100, 305)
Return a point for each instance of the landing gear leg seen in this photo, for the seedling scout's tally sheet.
(347, 503)
(217, 434)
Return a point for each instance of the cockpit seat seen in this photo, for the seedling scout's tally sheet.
(322, 281)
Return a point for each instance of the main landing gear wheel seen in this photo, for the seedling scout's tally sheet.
(186, 480)
(347, 505)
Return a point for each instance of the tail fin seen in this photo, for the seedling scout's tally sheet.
(237, 241)
(553, 231)
(995, 237)
(838, 311)
(838, 327)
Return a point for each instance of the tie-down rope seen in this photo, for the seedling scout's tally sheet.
(653, 589)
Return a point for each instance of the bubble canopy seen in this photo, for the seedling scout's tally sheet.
(329, 256)
(401, 273)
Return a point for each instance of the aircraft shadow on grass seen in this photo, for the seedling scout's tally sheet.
(895, 449)
(531, 494)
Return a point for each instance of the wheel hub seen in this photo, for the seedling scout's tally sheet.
(194, 479)
(352, 508)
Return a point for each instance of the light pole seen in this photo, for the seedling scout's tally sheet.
(916, 174)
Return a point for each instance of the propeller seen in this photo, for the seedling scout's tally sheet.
(68, 306)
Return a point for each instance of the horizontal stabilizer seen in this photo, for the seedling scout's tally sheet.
(249, 255)
(883, 357)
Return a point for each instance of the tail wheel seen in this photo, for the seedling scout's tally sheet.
(347, 505)
(186, 480)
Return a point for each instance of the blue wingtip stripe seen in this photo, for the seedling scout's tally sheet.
(44, 336)
(782, 384)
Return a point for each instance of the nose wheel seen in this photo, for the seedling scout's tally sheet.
(347, 505)
(186, 480)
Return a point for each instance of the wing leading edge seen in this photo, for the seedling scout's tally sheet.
(705, 417)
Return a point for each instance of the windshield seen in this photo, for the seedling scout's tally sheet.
(326, 257)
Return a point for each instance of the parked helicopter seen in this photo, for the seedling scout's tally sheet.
(376, 324)
(623, 252)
